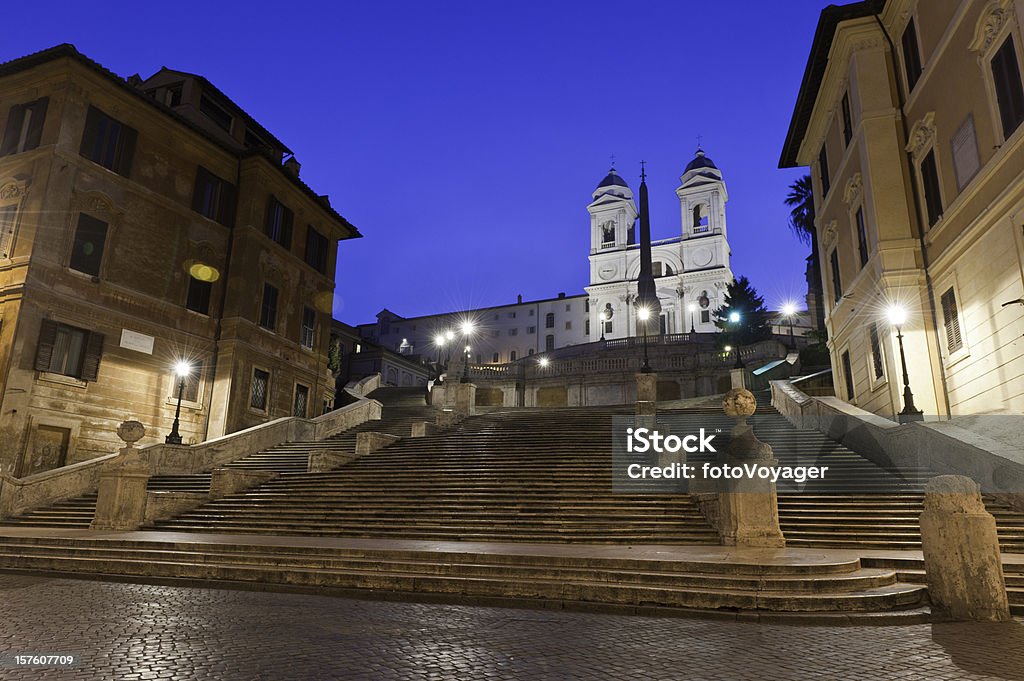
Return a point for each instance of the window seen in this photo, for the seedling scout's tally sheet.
(215, 113)
(568, 307)
(258, 391)
(24, 127)
(279, 222)
(108, 142)
(911, 55)
(663, 323)
(531, 329)
(964, 146)
(837, 282)
(531, 313)
(494, 359)
(191, 391)
(705, 316)
(69, 351)
(586, 305)
(198, 299)
(700, 218)
(608, 234)
(512, 356)
(7, 222)
(172, 95)
(212, 197)
(862, 237)
(568, 326)
(823, 171)
(513, 332)
(549, 320)
(549, 342)
(848, 376)
(268, 307)
(656, 269)
(1009, 91)
(512, 315)
(877, 362)
(87, 250)
(930, 184)
(299, 405)
(951, 322)
(529, 352)
(308, 327)
(316, 250)
(586, 327)
(847, 120)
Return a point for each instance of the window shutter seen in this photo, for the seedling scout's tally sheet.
(286, 228)
(93, 353)
(35, 126)
(14, 118)
(268, 221)
(44, 347)
(226, 209)
(951, 321)
(92, 124)
(202, 178)
(125, 151)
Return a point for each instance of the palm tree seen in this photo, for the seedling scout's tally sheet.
(801, 222)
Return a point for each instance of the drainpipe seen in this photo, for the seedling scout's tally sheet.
(916, 195)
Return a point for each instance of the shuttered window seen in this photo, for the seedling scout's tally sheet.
(964, 146)
(951, 322)
(279, 221)
(213, 197)
(911, 55)
(877, 362)
(199, 295)
(1009, 91)
(24, 129)
(308, 327)
(69, 351)
(837, 282)
(847, 120)
(932, 193)
(848, 376)
(108, 142)
(316, 250)
(268, 307)
(826, 180)
(87, 249)
(862, 237)
(8, 214)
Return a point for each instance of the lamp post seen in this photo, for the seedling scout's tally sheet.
(693, 310)
(604, 318)
(643, 314)
(789, 311)
(897, 317)
(734, 318)
(439, 341)
(449, 336)
(467, 331)
(181, 370)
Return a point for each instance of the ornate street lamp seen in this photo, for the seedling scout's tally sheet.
(693, 310)
(604, 318)
(788, 312)
(897, 317)
(181, 370)
(643, 314)
(734, 318)
(467, 332)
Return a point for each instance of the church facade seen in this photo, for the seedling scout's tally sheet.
(691, 272)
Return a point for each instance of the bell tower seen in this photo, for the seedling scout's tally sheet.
(702, 198)
(612, 215)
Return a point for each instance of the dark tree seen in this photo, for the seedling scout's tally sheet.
(755, 320)
(801, 222)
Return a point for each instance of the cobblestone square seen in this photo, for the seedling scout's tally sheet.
(142, 632)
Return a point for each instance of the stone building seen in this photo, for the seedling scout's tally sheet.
(909, 116)
(691, 272)
(144, 223)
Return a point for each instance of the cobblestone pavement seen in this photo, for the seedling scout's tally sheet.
(134, 631)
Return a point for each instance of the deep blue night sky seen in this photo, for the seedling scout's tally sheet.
(464, 139)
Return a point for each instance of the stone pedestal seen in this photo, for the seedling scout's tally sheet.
(371, 442)
(225, 481)
(422, 429)
(464, 400)
(748, 510)
(739, 379)
(961, 552)
(121, 497)
(647, 388)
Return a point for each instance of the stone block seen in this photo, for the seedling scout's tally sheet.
(738, 378)
(327, 460)
(121, 497)
(647, 387)
(422, 429)
(465, 398)
(961, 552)
(371, 442)
(225, 481)
(163, 505)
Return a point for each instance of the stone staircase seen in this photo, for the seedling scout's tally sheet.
(402, 406)
(751, 586)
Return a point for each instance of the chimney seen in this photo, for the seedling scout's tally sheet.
(519, 299)
(561, 294)
(292, 166)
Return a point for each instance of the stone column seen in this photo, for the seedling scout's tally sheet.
(961, 552)
(748, 508)
(646, 387)
(121, 497)
(465, 398)
(738, 378)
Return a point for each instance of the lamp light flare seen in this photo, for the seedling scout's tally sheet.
(643, 313)
(691, 307)
(788, 309)
(544, 361)
(734, 317)
(467, 328)
(897, 314)
(439, 340)
(182, 368)
(449, 335)
(728, 348)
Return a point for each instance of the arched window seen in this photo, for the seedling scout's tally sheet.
(512, 356)
(549, 342)
(549, 320)
(608, 233)
(700, 218)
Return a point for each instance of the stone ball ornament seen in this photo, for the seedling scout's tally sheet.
(739, 402)
(131, 432)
